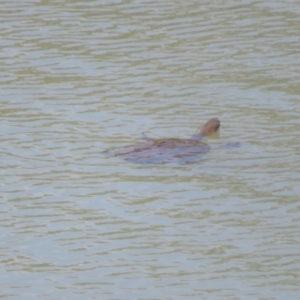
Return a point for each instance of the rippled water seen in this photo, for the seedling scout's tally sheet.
(81, 77)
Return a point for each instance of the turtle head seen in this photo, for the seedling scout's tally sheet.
(210, 128)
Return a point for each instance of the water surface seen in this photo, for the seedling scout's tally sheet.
(81, 77)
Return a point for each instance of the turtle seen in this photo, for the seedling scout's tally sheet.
(170, 150)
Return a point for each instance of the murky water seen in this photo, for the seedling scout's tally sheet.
(79, 77)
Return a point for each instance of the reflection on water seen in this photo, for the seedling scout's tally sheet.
(81, 77)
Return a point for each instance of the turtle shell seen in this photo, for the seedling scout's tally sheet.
(160, 151)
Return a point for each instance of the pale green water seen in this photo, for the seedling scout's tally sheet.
(80, 77)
